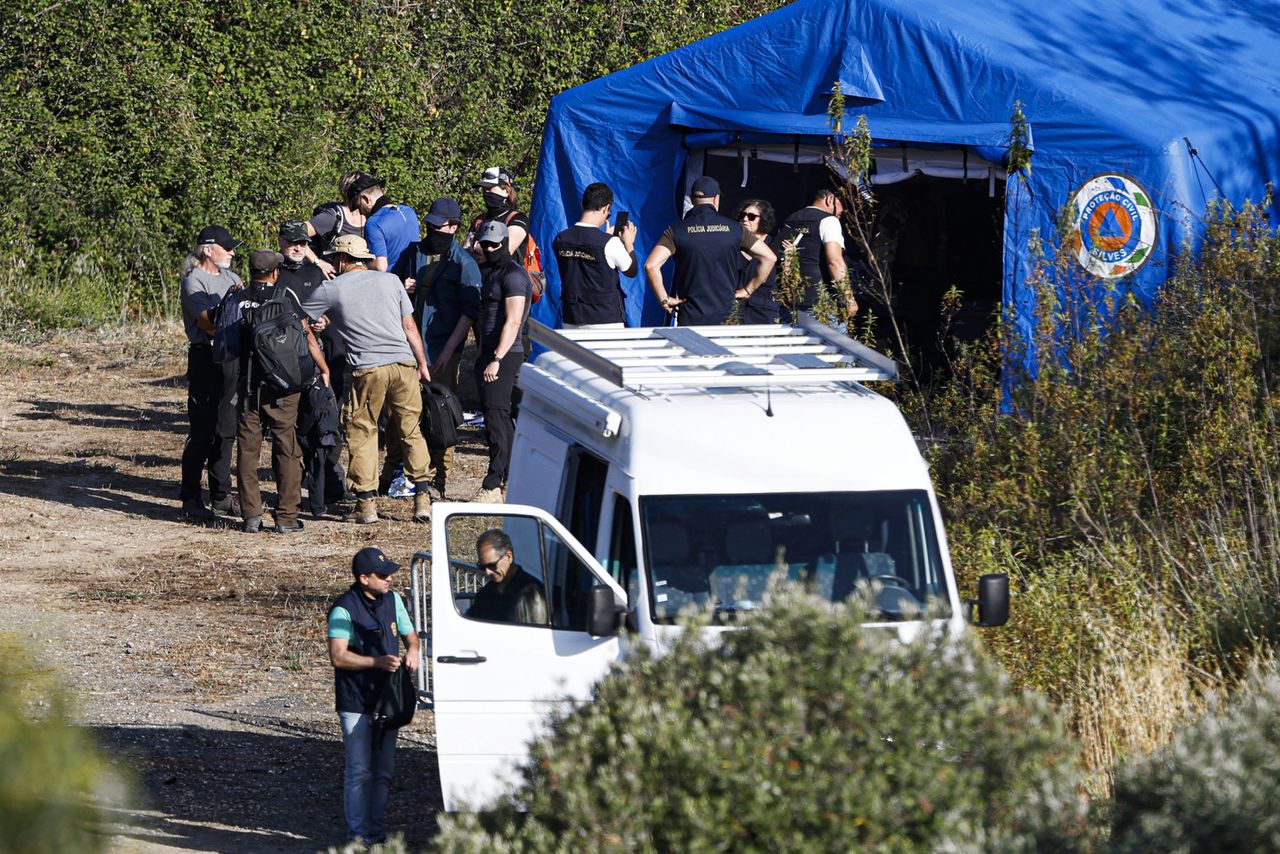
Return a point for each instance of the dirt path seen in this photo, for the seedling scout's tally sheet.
(196, 652)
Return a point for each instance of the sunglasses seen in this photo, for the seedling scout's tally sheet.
(749, 216)
(489, 247)
(491, 566)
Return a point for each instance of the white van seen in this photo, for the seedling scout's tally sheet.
(659, 469)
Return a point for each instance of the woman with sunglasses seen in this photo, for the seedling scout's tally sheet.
(757, 216)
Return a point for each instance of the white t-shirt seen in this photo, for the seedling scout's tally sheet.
(829, 231)
(615, 251)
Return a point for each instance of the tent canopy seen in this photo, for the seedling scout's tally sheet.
(1115, 92)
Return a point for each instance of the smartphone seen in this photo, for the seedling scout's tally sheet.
(621, 222)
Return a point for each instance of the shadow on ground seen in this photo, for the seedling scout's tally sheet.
(205, 789)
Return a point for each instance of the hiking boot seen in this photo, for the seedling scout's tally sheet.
(289, 529)
(226, 507)
(252, 525)
(488, 496)
(193, 508)
(422, 507)
(366, 512)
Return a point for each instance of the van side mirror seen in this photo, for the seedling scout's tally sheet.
(604, 615)
(992, 601)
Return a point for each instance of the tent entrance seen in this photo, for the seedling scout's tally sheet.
(939, 222)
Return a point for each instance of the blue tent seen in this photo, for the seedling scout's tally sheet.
(1117, 94)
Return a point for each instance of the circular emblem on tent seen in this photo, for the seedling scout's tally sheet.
(1115, 226)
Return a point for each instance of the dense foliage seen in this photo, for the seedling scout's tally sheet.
(50, 768)
(1129, 485)
(130, 124)
(1214, 787)
(803, 731)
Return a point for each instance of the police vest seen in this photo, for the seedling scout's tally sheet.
(373, 632)
(708, 259)
(590, 290)
(810, 257)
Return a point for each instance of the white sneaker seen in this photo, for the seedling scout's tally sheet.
(488, 496)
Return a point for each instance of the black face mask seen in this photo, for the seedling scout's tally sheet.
(438, 242)
(495, 201)
(497, 258)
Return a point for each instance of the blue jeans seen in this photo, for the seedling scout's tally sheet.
(367, 780)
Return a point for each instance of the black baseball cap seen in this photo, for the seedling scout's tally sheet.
(363, 183)
(706, 187)
(216, 234)
(443, 211)
(371, 560)
(294, 231)
(264, 261)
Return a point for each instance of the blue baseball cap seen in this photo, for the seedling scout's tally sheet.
(443, 211)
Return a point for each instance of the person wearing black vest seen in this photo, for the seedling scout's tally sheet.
(707, 249)
(590, 261)
(265, 409)
(819, 246)
(323, 475)
(364, 629)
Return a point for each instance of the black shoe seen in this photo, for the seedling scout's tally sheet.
(229, 506)
(289, 529)
(252, 526)
(193, 508)
(318, 513)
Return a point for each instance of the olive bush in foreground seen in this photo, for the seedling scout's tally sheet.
(801, 731)
(49, 769)
(1215, 787)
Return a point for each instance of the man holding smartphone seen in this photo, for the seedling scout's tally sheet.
(591, 257)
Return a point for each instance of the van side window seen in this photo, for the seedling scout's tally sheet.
(518, 571)
(622, 549)
(585, 499)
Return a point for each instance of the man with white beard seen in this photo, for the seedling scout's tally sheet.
(211, 385)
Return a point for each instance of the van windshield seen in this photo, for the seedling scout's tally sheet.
(721, 551)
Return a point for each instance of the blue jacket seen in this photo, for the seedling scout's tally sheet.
(454, 291)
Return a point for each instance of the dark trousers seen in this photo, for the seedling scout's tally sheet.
(211, 414)
(322, 473)
(499, 424)
(280, 416)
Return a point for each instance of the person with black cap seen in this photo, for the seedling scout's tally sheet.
(592, 259)
(211, 386)
(446, 303)
(365, 627)
(391, 230)
(500, 203)
(330, 219)
(819, 246)
(319, 430)
(504, 314)
(264, 403)
(708, 250)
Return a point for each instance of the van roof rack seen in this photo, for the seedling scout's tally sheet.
(718, 356)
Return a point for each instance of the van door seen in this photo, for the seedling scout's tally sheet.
(506, 654)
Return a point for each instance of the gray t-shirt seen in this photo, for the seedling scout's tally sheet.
(202, 292)
(367, 309)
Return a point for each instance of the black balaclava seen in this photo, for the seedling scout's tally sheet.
(498, 258)
(495, 203)
(438, 241)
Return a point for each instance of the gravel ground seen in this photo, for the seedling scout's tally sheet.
(195, 652)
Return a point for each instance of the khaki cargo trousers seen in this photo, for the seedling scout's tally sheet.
(396, 387)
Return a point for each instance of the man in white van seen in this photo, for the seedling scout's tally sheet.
(512, 595)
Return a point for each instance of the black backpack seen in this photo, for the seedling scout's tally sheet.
(441, 415)
(227, 325)
(397, 701)
(281, 358)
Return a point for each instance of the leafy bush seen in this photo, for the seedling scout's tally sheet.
(1127, 485)
(130, 124)
(802, 731)
(50, 768)
(1214, 787)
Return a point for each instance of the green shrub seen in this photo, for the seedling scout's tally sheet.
(131, 124)
(50, 769)
(1215, 787)
(802, 731)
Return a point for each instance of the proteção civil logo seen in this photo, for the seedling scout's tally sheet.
(1115, 226)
